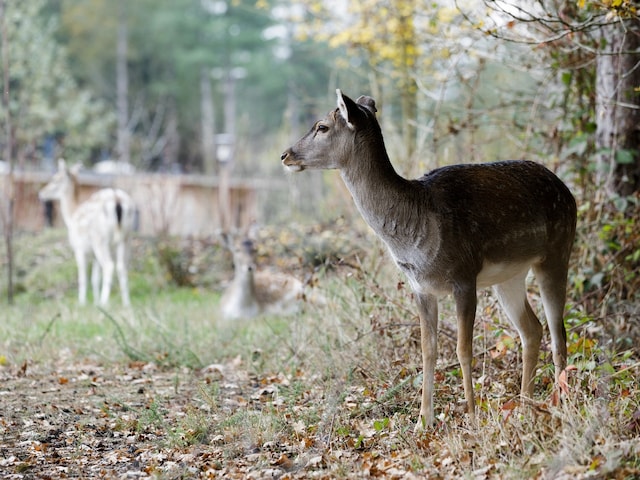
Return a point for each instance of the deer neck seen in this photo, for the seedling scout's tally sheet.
(246, 288)
(378, 191)
(397, 209)
(69, 204)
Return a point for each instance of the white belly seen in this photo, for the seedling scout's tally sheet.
(494, 273)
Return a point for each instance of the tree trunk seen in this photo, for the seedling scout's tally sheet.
(618, 108)
(122, 87)
(172, 149)
(408, 87)
(9, 187)
(207, 123)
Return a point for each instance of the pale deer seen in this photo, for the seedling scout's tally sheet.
(96, 226)
(251, 292)
(454, 230)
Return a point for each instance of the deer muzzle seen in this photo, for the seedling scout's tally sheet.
(290, 163)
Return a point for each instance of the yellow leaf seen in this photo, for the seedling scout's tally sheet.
(446, 15)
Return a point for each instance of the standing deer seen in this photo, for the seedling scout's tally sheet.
(252, 293)
(454, 230)
(95, 226)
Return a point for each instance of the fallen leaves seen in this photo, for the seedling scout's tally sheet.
(140, 420)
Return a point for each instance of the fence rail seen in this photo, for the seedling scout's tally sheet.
(183, 205)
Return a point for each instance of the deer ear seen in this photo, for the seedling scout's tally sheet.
(368, 103)
(348, 108)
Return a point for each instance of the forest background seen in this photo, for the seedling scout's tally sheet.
(181, 86)
(163, 84)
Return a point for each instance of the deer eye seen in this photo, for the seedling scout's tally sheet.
(322, 128)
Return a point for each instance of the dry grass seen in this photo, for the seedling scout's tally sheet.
(331, 393)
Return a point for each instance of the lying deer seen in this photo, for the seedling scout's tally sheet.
(95, 226)
(454, 230)
(252, 293)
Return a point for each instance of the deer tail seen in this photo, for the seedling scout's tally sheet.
(119, 213)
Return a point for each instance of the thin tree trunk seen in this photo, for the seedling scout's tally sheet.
(618, 108)
(122, 87)
(172, 148)
(207, 123)
(9, 189)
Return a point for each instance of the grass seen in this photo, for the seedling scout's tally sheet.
(333, 392)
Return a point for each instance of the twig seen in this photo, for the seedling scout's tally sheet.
(48, 328)
(129, 351)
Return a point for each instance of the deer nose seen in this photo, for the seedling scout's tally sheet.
(284, 155)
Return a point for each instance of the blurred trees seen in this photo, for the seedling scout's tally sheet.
(193, 66)
(450, 92)
(181, 72)
(45, 99)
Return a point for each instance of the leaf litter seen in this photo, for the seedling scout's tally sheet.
(140, 420)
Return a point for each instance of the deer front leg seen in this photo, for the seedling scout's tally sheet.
(428, 313)
(95, 280)
(81, 262)
(466, 301)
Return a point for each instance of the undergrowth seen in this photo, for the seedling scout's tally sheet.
(334, 392)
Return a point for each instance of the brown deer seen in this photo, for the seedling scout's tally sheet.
(95, 226)
(454, 230)
(251, 292)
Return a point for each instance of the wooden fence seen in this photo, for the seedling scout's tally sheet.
(183, 205)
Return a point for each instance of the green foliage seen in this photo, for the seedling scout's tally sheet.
(606, 278)
(176, 263)
(45, 98)
(615, 8)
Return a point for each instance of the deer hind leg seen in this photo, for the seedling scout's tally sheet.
(552, 279)
(466, 301)
(512, 295)
(428, 313)
(121, 268)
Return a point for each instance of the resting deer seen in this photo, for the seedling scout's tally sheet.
(454, 230)
(102, 222)
(252, 293)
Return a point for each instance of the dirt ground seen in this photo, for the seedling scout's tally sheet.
(79, 420)
(83, 420)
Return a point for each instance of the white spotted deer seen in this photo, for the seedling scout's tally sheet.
(251, 292)
(455, 230)
(97, 226)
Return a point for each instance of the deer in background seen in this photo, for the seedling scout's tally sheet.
(251, 292)
(96, 226)
(454, 230)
